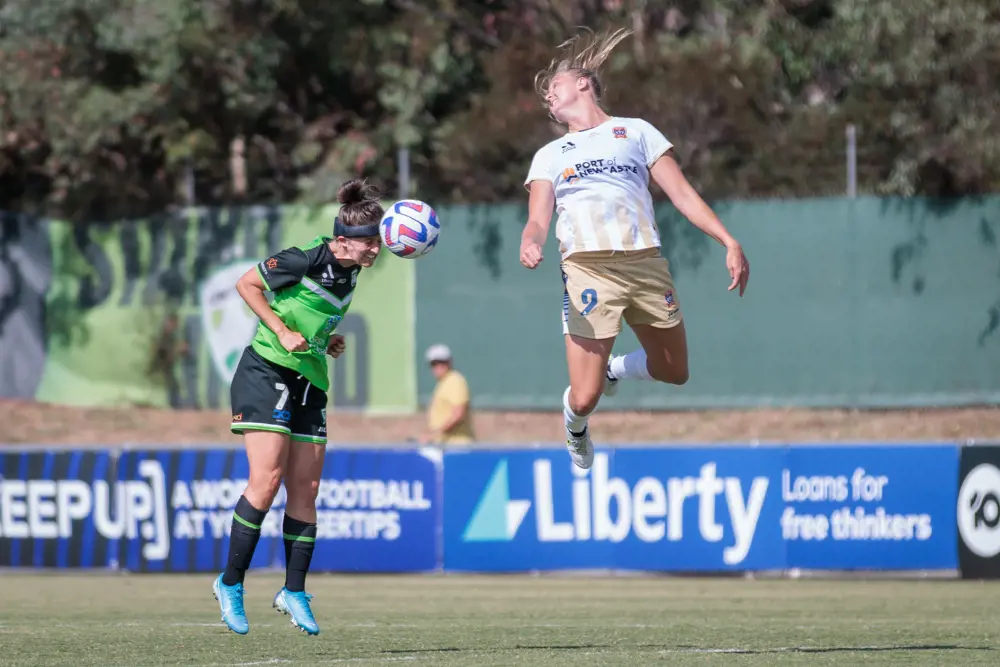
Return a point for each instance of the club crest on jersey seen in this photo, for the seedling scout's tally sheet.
(620, 133)
(569, 175)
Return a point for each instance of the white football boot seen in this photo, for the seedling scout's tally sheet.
(581, 449)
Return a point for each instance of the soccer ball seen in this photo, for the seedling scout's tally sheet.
(410, 228)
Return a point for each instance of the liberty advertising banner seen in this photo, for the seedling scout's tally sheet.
(171, 511)
(702, 509)
(145, 312)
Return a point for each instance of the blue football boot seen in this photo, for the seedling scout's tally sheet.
(231, 604)
(296, 605)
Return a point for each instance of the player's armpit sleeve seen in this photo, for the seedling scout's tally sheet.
(654, 144)
(283, 269)
(540, 170)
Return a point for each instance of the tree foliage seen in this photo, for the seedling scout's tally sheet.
(107, 107)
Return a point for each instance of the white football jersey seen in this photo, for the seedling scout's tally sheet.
(601, 181)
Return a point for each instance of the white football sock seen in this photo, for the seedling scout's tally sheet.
(630, 366)
(574, 422)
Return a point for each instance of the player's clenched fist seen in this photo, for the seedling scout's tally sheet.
(337, 345)
(531, 254)
(293, 341)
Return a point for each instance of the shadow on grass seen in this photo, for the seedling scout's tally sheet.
(670, 648)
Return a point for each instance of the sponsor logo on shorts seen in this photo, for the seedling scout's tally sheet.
(670, 301)
(620, 133)
(272, 263)
(281, 416)
(238, 418)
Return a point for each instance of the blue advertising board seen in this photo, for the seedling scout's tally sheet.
(688, 509)
(171, 510)
(870, 507)
(702, 509)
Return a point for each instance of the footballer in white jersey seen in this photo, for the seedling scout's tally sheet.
(596, 177)
(601, 182)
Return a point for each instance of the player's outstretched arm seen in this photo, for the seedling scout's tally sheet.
(668, 175)
(251, 288)
(541, 201)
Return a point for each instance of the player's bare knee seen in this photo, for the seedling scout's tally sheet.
(301, 499)
(584, 402)
(263, 486)
(302, 490)
(670, 374)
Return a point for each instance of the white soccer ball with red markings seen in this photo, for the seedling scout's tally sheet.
(410, 228)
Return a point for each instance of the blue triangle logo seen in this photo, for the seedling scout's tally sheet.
(489, 519)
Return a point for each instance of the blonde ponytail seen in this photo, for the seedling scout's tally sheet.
(582, 54)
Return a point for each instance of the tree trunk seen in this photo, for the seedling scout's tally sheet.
(238, 166)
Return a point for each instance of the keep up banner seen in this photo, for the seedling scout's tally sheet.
(171, 510)
(704, 509)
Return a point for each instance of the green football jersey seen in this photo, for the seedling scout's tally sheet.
(312, 293)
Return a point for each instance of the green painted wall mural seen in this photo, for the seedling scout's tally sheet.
(144, 312)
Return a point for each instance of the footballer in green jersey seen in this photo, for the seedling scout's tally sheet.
(279, 395)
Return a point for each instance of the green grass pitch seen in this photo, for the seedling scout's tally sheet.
(138, 620)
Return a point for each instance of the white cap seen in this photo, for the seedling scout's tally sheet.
(438, 352)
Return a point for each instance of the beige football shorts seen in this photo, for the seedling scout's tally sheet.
(601, 288)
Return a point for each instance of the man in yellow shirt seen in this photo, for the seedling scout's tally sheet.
(449, 418)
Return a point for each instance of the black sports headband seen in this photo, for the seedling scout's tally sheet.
(340, 229)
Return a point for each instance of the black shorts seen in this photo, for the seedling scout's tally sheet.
(269, 397)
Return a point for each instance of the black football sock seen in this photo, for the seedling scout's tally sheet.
(242, 541)
(300, 540)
